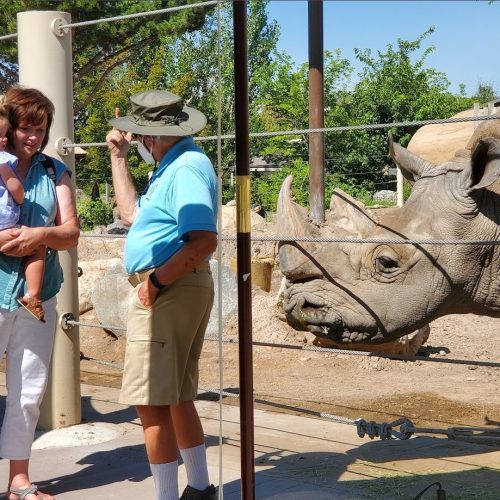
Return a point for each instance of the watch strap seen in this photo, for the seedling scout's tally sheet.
(156, 283)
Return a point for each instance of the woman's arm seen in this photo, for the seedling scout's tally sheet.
(62, 236)
(12, 183)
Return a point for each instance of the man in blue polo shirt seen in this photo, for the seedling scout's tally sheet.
(172, 236)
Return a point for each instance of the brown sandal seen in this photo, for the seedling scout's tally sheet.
(33, 306)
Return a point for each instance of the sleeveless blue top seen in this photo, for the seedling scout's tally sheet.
(39, 209)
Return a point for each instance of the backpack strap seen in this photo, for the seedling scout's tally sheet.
(48, 163)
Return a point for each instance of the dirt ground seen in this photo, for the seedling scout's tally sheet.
(429, 393)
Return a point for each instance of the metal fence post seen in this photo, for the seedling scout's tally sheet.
(399, 188)
(477, 112)
(45, 62)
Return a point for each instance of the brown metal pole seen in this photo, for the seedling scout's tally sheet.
(316, 113)
(243, 249)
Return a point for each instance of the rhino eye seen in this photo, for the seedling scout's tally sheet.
(386, 263)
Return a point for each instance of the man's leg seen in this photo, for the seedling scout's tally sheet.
(161, 447)
(191, 441)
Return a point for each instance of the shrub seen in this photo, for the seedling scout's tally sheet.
(93, 213)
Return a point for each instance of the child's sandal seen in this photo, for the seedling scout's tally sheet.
(33, 306)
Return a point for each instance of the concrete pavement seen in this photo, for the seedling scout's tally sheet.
(296, 458)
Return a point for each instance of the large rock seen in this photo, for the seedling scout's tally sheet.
(229, 298)
(92, 247)
(438, 143)
(92, 272)
(111, 295)
(229, 220)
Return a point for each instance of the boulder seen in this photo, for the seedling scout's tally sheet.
(385, 195)
(91, 272)
(110, 297)
(111, 294)
(438, 143)
(257, 222)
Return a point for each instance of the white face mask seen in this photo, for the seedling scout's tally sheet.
(146, 155)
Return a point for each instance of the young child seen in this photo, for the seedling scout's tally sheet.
(11, 197)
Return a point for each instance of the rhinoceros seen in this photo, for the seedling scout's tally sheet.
(369, 293)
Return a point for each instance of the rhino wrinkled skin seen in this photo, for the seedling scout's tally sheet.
(376, 292)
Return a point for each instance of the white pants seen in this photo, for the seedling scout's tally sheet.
(28, 343)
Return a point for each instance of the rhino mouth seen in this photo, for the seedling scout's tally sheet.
(308, 307)
(344, 334)
(328, 324)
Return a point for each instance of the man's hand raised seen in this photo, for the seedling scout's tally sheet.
(118, 141)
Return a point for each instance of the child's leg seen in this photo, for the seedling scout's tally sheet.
(34, 270)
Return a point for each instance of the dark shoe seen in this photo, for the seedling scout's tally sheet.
(191, 493)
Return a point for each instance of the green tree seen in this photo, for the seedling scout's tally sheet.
(485, 93)
(111, 60)
(392, 88)
(99, 48)
(199, 65)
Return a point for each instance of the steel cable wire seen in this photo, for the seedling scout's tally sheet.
(325, 129)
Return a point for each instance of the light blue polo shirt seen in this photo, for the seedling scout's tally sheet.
(38, 209)
(181, 197)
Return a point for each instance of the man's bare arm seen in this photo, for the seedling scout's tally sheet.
(126, 194)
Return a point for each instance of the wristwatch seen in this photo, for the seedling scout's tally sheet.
(154, 279)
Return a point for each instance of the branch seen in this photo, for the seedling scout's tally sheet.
(99, 83)
(99, 59)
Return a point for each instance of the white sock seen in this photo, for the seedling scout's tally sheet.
(195, 461)
(165, 478)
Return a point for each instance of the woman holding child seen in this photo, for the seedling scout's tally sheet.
(47, 220)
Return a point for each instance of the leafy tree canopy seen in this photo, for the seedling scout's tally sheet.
(191, 53)
(100, 48)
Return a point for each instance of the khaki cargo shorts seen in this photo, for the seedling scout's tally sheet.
(164, 342)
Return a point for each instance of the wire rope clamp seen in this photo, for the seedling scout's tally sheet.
(66, 321)
(62, 145)
(58, 26)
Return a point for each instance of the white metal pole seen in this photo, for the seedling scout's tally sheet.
(45, 62)
(399, 188)
(476, 113)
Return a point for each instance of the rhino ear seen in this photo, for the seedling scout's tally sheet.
(485, 164)
(348, 213)
(412, 166)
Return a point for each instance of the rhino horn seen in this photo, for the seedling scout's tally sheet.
(350, 214)
(412, 166)
(292, 223)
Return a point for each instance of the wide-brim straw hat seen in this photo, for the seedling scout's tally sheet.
(159, 112)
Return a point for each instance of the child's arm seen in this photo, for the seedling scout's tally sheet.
(12, 183)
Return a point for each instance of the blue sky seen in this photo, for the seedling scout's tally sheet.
(466, 36)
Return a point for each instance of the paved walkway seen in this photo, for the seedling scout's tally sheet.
(296, 458)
